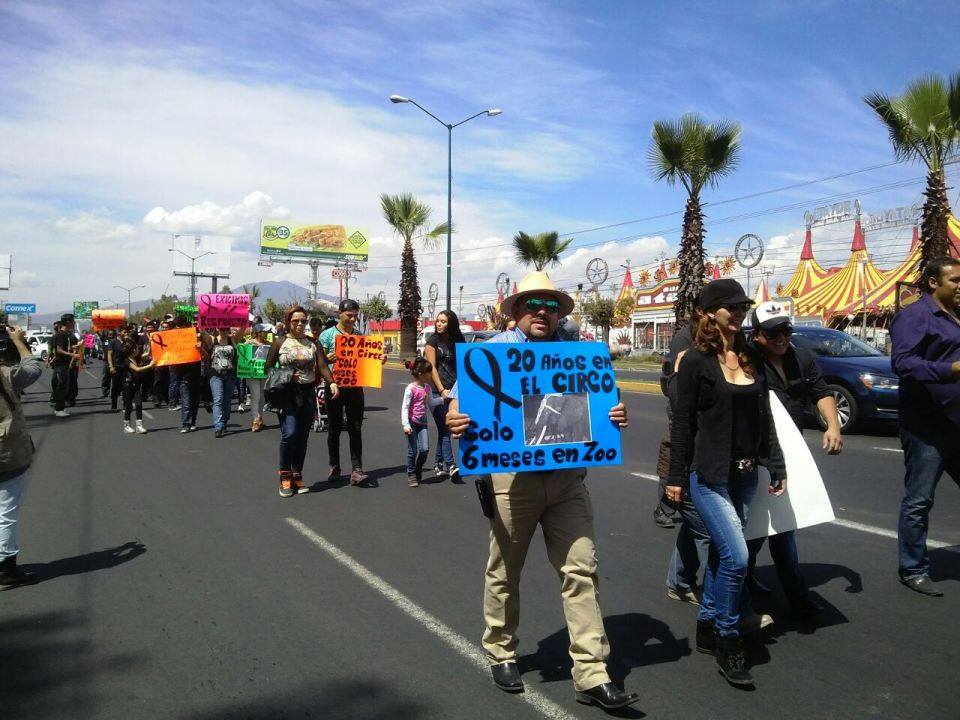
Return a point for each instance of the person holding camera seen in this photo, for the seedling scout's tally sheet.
(19, 369)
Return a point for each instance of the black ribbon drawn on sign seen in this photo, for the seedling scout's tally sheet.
(493, 388)
(158, 339)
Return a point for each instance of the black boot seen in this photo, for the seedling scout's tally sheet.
(706, 637)
(732, 661)
(11, 577)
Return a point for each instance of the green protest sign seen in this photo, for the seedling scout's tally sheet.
(83, 309)
(187, 311)
(251, 360)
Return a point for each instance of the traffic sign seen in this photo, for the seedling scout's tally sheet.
(20, 308)
(340, 274)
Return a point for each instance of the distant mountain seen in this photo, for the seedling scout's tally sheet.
(281, 291)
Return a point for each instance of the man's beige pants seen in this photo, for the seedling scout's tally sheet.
(558, 501)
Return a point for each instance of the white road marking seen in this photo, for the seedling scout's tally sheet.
(849, 524)
(896, 450)
(450, 637)
(148, 415)
(936, 544)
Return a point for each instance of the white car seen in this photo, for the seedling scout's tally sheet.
(38, 345)
(425, 334)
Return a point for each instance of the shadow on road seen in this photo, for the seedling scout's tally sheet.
(945, 563)
(635, 640)
(48, 666)
(89, 562)
(347, 700)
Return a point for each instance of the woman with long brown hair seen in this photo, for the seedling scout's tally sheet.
(722, 429)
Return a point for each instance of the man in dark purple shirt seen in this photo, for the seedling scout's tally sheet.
(926, 356)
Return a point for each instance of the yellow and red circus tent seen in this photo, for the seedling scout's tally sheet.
(762, 294)
(626, 289)
(808, 274)
(854, 280)
(883, 298)
(953, 234)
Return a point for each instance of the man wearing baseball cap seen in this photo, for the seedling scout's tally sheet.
(793, 374)
(556, 500)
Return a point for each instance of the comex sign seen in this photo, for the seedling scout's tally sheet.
(20, 308)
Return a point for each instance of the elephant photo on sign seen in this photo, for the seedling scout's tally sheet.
(556, 419)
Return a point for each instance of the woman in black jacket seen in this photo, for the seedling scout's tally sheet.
(722, 428)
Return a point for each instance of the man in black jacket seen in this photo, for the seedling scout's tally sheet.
(793, 374)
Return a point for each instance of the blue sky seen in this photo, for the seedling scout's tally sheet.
(218, 114)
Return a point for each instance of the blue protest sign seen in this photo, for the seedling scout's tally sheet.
(20, 308)
(536, 406)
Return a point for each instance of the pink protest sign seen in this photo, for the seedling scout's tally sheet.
(218, 310)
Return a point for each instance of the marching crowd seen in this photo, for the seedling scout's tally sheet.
(725, 363)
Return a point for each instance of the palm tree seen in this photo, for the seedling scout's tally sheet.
(254, 292)
(539, 250)
(924, 124)
(409, 219)
(696, 154)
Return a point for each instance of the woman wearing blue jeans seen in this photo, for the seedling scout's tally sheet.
(297, 351)
(223, 374)
(441, 352)
(722, 429)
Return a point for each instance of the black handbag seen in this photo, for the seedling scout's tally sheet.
(277, 387)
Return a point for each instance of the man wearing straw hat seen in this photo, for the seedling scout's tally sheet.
(558, 501)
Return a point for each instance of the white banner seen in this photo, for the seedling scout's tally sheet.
(805, 502)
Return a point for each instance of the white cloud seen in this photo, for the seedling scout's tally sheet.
(24, 279)
(95, 227)
(210, 218)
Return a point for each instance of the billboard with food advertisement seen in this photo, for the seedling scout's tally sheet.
(319, 242)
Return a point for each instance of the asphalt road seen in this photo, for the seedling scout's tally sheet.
(177, 584)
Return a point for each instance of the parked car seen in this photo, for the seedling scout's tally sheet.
(468, 335)
(860, 377)
(38, 345)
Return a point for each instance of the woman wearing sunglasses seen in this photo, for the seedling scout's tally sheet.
(298, 351)
(722, 429)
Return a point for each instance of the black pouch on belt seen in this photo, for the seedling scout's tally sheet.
(485, 493)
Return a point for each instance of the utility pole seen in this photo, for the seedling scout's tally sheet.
(129, 291)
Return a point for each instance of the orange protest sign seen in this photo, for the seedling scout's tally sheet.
(108, 319)
(173, 347)
(359, 361)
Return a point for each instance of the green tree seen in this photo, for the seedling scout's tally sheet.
(924, 125)
(273, 311)
(540, 250)
(157, 309)
(600, 311)
(696, 154)
(409, 219)
(376, 309)
(225, 289)
(254, 292)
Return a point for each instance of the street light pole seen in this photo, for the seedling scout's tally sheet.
(193, 275)
(129, 291)
(492, 112)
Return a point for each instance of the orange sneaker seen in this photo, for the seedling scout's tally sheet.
(286, 484)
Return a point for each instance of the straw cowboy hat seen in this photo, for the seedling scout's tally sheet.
(537, 282)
